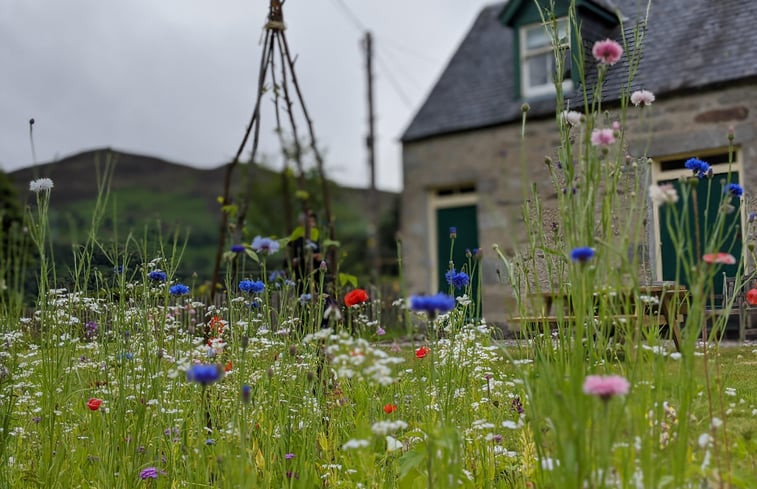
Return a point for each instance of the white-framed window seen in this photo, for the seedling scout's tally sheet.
(537, 60)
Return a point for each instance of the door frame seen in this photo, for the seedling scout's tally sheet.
(659, 175)
(436, 202)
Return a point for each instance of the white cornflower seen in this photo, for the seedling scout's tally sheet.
(40, 184)
(642, 97)
(663, 194)
(571, 117)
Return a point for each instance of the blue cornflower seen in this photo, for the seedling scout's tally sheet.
(458, 279)
(267, 246)
(453, 232)
(157, 275)
(305, 298)
(277, 274)
(432, 303)
(179, 289)
(699, 167)
(246, 393)
(203, 374)
(251, 286)
(289, 283)
(237, 248)
(734, 189)
(582, 254)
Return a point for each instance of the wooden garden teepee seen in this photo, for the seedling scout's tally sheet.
(286, 89)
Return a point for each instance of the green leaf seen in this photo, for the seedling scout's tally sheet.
(298, 232)
(330, 242)
(346, 278)
(252, 255)
(411, 460)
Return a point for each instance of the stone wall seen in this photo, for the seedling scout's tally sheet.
(491, 158)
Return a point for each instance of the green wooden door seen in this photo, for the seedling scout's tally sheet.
(464, 219)
(672, 267)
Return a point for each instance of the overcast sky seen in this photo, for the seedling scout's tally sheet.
(177, 78)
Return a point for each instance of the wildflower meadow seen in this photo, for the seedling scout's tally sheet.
(129, 376)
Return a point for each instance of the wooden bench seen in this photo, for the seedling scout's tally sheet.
(654, 305)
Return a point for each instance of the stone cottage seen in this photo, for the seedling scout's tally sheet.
(462, 150)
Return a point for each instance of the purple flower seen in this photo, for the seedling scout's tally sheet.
(452, 232)
(237, 248)
(289, 456)
(246, 393)
(267, 246)
(149, 473)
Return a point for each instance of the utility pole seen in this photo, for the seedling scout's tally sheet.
(370, 144)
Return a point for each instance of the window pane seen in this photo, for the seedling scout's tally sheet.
(537, 37)
(540, 69)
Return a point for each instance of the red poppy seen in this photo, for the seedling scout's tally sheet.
(422, 352)
(390, 408)
(229, 366)
(720, 258)
(751, 297)
(94, 404)
(357, 296)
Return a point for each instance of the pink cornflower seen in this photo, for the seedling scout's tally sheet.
(602, 137)
(606, 386)
(642, 97)
(607, 52)
(719, 258)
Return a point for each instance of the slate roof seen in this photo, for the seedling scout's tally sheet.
(689, 44)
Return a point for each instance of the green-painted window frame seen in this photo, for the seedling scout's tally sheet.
(548, 88)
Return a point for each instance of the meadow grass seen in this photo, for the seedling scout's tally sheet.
(125, 379)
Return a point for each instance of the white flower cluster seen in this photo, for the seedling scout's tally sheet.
(40, 184)
(383, 428)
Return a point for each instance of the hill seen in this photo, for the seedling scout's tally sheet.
(152, 197)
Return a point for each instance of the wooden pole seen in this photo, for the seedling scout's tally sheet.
(370, 144)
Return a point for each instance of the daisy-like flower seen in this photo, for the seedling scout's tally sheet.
(354, 444)
(719, 258)
(602, 137)
(663, 194)
(607, 52)
(642, 97)
(40, 185)
(605, 387)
